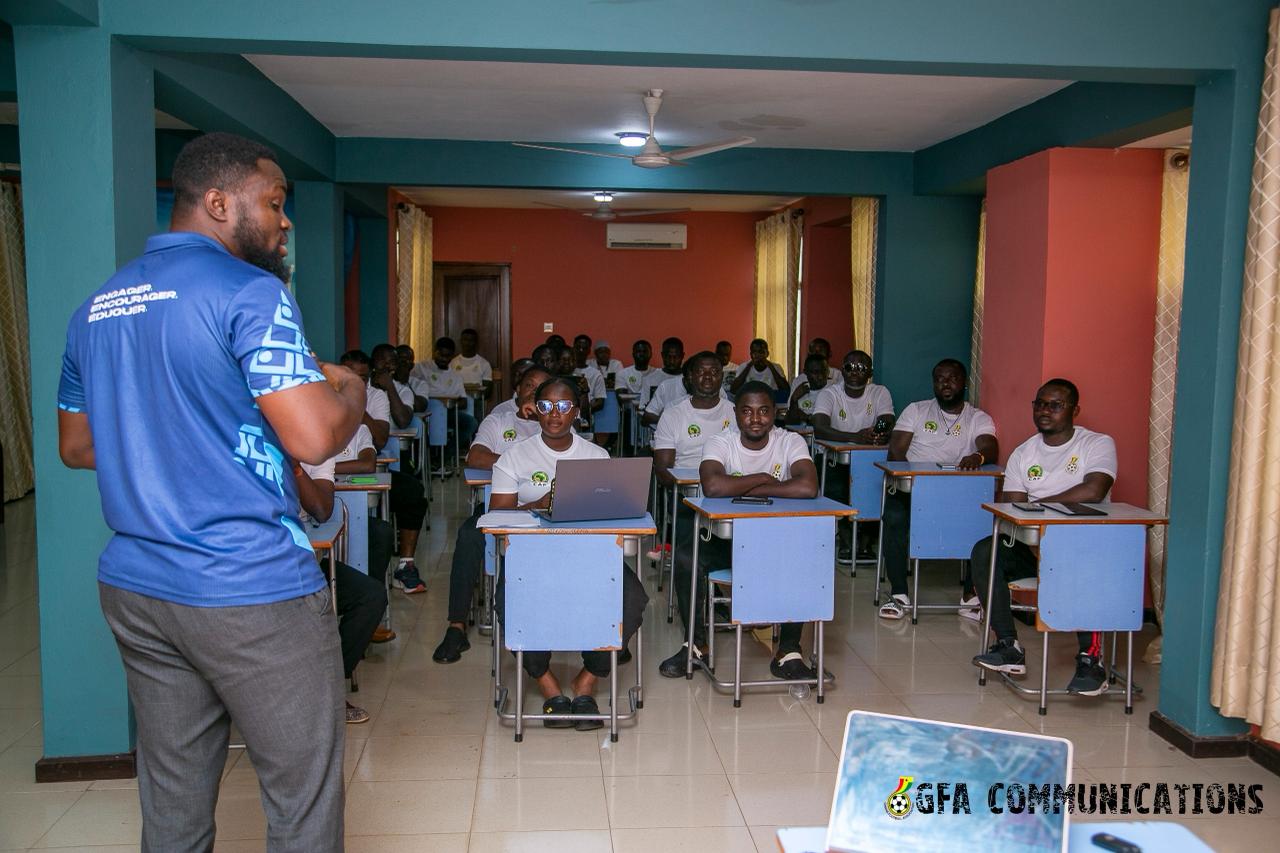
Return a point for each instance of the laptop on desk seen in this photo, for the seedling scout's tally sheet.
(599, 489)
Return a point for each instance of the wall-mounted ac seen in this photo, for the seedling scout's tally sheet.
(645, 235)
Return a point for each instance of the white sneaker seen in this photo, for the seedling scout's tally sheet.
(971, 608)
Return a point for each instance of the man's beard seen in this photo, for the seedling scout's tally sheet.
(252, 242)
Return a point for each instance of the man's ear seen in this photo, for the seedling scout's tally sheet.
(217, 204)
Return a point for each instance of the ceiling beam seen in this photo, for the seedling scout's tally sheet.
(1089, 115)
(55, 13)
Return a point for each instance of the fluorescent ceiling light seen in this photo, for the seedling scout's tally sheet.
(632, 138)
(602, 197)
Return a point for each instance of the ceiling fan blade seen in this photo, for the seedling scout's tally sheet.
(569, 150)
(561, 207)
(709, 148)
(650, 212)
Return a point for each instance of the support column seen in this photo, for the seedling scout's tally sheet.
(373, 280)
(87, 132)
(317, 251)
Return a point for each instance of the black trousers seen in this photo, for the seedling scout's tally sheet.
(361, 601)
(838, 490)
(468, 563)
(382, 541)
(897, 529)
(712, 555)
(1012, 563)
(634, 601)
(408, 501)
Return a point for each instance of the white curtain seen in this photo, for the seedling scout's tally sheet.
(1245, 681)
(777, 280)
(979, 291)
(864, 227)
(15, 364)
(414, 279)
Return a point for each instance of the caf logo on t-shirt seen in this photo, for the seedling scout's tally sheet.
(930, 426)
(842, 414)
(1073, 464)
(806, 404)
(633, 380)
(1034, 473)
(509, 435)
(777, 471)
(694, 430)
(457, 367)
(540, 478)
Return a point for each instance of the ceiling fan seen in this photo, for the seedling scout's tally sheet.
(652, 156)
(604, 212)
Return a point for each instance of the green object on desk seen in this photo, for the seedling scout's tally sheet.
(362, 480)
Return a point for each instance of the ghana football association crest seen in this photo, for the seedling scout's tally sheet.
(508, 435)
(1073, 464)
(868, 407)
(930, 426)
(898, 804)
(1034, 473)
(540, 478)
(777, 471)
(694, 430)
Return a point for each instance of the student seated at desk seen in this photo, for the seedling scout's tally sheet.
(724, 352)
(584, 366)
(1061, 462)
(408, 502)
(805, 390)
(672, 368)
(608, 366)
(755, 459)
(522, 479)
(498, 433)
(759, 369)
(822, 347)
(361, 598)
(632, 378)
(403, 376)
(469, 365)
(945, 430)
(384, 363)
(446, 386)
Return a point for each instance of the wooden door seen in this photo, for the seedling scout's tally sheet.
(477, 296)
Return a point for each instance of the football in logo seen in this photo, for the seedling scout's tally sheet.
(540, 478)
(508, 435)
(898, 804)
(724, 424)
(955, 430)
(930, 426)
(1073, 464)
(1035, 472)
(777, 471)
(694, 430)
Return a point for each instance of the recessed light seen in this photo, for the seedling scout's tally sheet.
(602, 197)
(632, 138)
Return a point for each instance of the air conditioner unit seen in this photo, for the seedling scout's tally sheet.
(645, 235)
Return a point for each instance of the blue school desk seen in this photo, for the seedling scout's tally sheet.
(1091, 577)
(797, 535)
(866, 481)
(479, 479)
(329, 538)
(564, 593)
(358, 497)
(608, 419)
(946, 519)
(688, 485)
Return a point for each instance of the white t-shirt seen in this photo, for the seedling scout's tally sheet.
(501, 430)
(405, 393)
(362, 440)
(852, 414)
(595, 381)
(1043, 471)
(800, 378)
(651, 384)
(686, 430)
(528, 468)
(808, 403)
(505, 407)
(783, 449)
(473, 370)
(376, 404)
(669, 392)
(439, 382)
(940, 437)
(632, 378)
(765, 376)
(613, 368)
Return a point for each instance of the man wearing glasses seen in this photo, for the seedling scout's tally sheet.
(1061, 462)
(856, 411)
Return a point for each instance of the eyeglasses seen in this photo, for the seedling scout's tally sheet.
(1053, 406)
(544, 407)
(857, 367)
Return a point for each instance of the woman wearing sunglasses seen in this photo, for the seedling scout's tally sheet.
(523, 479)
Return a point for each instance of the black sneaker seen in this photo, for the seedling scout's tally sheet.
(844, 555)
(624, 656)
(407, 578)
(450, 650)
(1090, 678)
(675, 666)
(1003, 656)
(558, 705)
(791, 667)
(586, 705)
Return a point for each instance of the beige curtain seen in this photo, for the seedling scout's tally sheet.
(1245, 681)
(15, 364)
(414, 279)
(777, 280)
(864, 225)
(979, 291)
(1164, 365)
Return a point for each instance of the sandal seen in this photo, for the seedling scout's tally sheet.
(557, 705)
(790, 667)
(895, 608)
(586, 705)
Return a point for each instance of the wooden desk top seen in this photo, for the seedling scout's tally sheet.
(843, 446)
(721, 508)
(931, 469)
(387, 460)
(686, 476)
(1116, 513)
(621, 526)
(323, 535)
(477, 476)
(342, 483)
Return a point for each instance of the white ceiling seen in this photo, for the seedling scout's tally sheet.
(1180, 138)
(539, 102)
(509, 198)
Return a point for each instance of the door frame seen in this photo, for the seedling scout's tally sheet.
(479, 268)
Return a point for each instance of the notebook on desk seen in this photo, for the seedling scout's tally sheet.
(598, 489)
(890, 792)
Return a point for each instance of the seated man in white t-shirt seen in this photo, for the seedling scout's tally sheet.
(724, 352)
(632, 378)
(1061, 462)
(404, 376)
(473, 368)
(523, 478)
(608, 366)
(755, 459)
(584, 365)
(446, 386)
(672, 368)
(384, 363)
(945, 430)
(822, 347)
(498, 433)
(805, 390)
(759, 369)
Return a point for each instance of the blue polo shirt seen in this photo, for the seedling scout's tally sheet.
(167, 359)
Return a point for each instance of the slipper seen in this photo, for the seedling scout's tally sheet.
(586, 705)
(557, 705)
(895, 608)
(790, 667)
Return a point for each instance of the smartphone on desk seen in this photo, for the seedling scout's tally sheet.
(945, 467)
(752, 499)
(1027, 506)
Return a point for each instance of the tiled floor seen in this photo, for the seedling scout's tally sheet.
(433, 770)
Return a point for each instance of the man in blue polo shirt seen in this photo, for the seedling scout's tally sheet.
(212, 590)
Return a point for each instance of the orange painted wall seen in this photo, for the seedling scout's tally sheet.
(562, 273)
(1072, 248)
(827, 303)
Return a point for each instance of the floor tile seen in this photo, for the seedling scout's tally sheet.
(542, 841)
(518, 805)
(393, 759)
(409, 808)
(452, 842)
(784, 799)
(718, 839)
(645, 753)
(573, 754)
(98, 817)
(783, 751)
(671, 801)
(26, 817)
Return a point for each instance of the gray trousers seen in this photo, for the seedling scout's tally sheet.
(276, 670)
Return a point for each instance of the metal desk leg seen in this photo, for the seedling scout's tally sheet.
(822, 486)
(457, 439)
(519, 696)
(915, 590)
(671, 566)
(613, 695)
(853, 544)
(822, 672)
(879, 543)
(991, 588)
(1044, 675)
(693, 596)
(1128, 677)
(737, 670)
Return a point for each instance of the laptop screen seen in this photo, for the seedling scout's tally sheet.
(908, 784)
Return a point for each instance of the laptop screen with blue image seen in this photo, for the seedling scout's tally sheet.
(921, 785)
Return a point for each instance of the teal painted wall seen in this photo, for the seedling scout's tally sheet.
(318, 281)
(372, 233)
